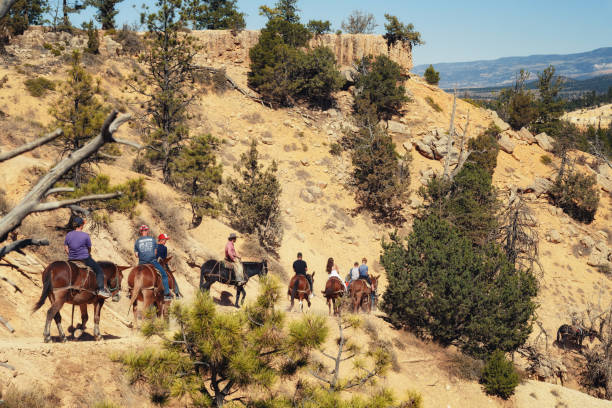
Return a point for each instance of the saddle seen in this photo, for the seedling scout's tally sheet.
(90, 272)
(366, 283)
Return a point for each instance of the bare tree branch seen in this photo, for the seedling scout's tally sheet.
(32, 200)
(449, 142)
(30, 146)
(5, 6)
(60, 190)
(22, 243)
(6, 324)
(53, 205)
(17, 288)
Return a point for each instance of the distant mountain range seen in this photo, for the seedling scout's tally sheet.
(571, 87)
(502, 71)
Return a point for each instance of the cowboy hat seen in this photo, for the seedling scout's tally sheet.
(232, 236)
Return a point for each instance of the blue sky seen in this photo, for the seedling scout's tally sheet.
(458, 30)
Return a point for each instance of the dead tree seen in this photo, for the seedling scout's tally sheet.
(5, 6)
(518, 235)
(449, 140)
(597, 373)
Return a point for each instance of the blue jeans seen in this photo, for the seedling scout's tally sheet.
(99, 273)
(164, 276)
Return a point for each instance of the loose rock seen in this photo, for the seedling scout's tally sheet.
(545, 142)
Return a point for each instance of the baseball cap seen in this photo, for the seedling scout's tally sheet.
(78, 221)
(163, 236)
(144, 228)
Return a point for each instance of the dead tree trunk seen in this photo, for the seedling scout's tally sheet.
(449, 142)
(32, 201)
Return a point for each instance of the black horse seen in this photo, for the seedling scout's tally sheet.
(574, 334)
(214, 271)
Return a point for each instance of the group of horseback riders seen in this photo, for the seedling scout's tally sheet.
(77, 246)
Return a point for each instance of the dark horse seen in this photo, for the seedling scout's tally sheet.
(145, 285)
(65, 282)
(300, 288)
(334, 289)
(574, 334)
(362, 294)
(214, 271)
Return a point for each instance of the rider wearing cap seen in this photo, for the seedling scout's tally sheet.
(78, 248)
(145, 248)
(162, 253)
(232, 256)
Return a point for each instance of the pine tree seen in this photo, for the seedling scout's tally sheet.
(217, 15)
(106, 12)
(79, 112)
(167, 81)
(216, 354)
(376, 87)
(431, 75)
(93, 43)
(550, 104)
(284, 9)
(499, 375)
(253, 202)
(319, 27)
(197, 173)
(20, 16)
(378, 176)
(399, 32)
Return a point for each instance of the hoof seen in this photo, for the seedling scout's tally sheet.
(98, 337)
(78, 333)
(47, 339)
(63, 339)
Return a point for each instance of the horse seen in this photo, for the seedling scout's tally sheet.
(145, 285)
(575, 334)
(362, 294)
(214, 271)
(334, 288)
(66, 282)
(300, 288)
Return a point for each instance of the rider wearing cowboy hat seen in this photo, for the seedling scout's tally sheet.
(232, 256)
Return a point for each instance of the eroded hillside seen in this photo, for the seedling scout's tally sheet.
(318, 218)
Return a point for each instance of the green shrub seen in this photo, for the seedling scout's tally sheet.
(577, 194)
(545, 159)
(377, 87)
(433, 104)
(485, 149)
(130, 41)
(319, 27)
(335, 149)
(93, 42)
(133, 193)
(39, 86)
(499, 376)
(431, 75)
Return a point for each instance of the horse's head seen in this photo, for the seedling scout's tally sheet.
(116, 279)
(165, 261)
(374, 280)
(593, 334)
(312, 278)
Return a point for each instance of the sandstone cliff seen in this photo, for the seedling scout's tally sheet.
(225, 46)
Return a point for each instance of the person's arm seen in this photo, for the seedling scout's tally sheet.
(136, 249)
(66, 249)
(88, 243)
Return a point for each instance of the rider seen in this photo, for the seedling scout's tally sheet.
(78, 248)
(145, 249)
(353, 274)
(162, 253)
(300, 268)
(332, 271)
(232, 256)
(363, 271)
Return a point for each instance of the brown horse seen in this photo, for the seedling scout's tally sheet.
(65, 282)
(334, 289)
(362, 294)
(145, 285)
(300, 288)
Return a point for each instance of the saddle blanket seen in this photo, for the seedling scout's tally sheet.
(81, 265)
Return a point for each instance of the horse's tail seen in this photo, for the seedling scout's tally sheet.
(135, 291)
(559, 334)
(47, 288)
(294, 291)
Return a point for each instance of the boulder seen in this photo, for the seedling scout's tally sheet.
(554, 236)
(605, 171)
(539, 186)
(525, 135)
(267, 140)
(416, 202)
(598, 259)
(307, 196)
(500, 123)
(587, 241)
(545, 142)
(424, 149)
(398, 128)
(407, 146)
(505, 143)
(605, 183)
(111, 46)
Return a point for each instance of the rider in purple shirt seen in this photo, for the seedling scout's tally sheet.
(78, 248)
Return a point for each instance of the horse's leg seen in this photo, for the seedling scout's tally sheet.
(97, 308)
(84, 317)
(57, 304)
(58, 322)
(329, 305)
(237, 296)
(243, 291)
